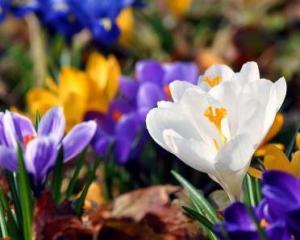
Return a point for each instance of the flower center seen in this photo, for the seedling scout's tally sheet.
(212, 81)
(28, 138)
(167, 92)
(116, 116)
(215, 115)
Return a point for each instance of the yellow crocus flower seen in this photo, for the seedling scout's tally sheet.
(275, 159)
(79, 91)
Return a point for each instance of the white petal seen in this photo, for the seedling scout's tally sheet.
(194, 153)
(178, 88)
(160, 119)
(219, 70)
(232, 163)
(249, 72)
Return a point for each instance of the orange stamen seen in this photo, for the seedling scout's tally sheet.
(28, 138)
(263, 223)
(116, 116)
(215, 115)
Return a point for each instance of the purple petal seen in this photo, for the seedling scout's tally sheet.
(180, 71)
(101, 142)
(237, 213)
(148, 96)
(119, 105)
(149, 71)
(78, 138)
(53, 124)
(123, 149)
(128, 88)
(24, 129)
(40, 156)
(8, 159)
(9, 131)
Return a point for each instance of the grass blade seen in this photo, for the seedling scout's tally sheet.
(58, 176)
(15, 197)
(199, 217)
(25, 194)
(291, 145)
(73, 180)
(203, 204)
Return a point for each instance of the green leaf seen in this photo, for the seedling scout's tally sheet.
(198, 199)
(199, 217)
(251, 191)
(11, 222)
(91, 177)
(291, 145)
(25, 196)
(74, 178)
(58, 175)
(37, 120)
(12, 182)
(3, 223)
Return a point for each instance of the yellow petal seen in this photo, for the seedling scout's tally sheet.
(298, 141)
(125, 21)
(97, 69)
(260, 152)
(75, 82)
(275, 128)
(275, 159)
(52, 86)
(295, 164)
(254, 172)
(94, 195)
(40, 100)
(114, 75)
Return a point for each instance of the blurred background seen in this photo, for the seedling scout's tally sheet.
(205, 32)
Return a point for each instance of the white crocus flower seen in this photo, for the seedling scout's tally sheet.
(216, 126)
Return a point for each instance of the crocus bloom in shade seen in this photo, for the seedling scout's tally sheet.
(275, 159)
(120, 127)
(40, 146)
(92, 90)
(154, 79)
(216, 126)
(239, 224)
(178, 8)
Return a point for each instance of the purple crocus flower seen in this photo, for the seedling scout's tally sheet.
(119, 127)
(154, 79)
(41, 146)
(239, 223)
(278, 214)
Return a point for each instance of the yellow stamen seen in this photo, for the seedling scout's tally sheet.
(212, 81)
(215, 115)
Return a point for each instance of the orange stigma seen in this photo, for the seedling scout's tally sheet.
(263, 223)
(167, 91)
(28, 138)
(116, 116)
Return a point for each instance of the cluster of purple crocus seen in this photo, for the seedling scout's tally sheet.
(40, 146)
(123, 127)
(278, 214)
